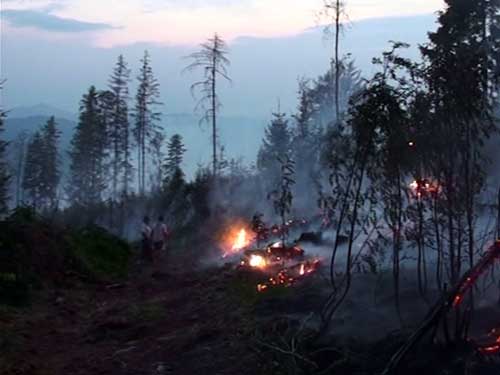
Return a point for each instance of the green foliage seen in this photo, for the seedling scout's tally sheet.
(88, 152)
(145, 116)
(276, 145)
(41, 170)
(174, 158)
(102, 254)
(35, 254)
(119, 128)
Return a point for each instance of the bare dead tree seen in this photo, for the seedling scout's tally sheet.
(212, 60)
(334, 11)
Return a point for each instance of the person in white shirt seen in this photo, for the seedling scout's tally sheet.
(160, 235)
(146, 240)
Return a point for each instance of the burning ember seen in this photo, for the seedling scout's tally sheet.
(424, 187)
(257, 261)
(289, 276)
(285, 264)
(467, 283)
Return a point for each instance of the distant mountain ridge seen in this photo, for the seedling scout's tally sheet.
(41, 109)
(240, 135)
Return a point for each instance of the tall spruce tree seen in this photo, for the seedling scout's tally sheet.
(212, 60)
(146, 119)
(4, 176)
(275, 145)
(87, 180)
(50, 165)
(158, 155)
(119, 130)
(33, 172)
(175, 156)
(19, 153)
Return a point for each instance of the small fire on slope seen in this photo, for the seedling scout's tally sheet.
(236, 240)
(283, 265)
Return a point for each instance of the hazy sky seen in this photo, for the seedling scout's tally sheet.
(108, 23)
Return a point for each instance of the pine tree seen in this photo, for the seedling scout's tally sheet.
(322, 92)
(51, 174)
(146, 118)
(212, 59)
(33, 172)
(157, 144)
(175, 156)
(19, 151)
(4, 176)
(119, 129)
(305, 138)
(88, 152)
(276, 145)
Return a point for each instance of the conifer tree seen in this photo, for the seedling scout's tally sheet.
(88, 152)
(33, 173)
(50, 167)
(462, 77)
(157, 144)
(4, 176)
(119, 129)
(276, 145)
(146, 119)
(19, 150)
(175, 156)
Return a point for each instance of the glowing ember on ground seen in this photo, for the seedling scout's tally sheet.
(289, 276)
(257, 261)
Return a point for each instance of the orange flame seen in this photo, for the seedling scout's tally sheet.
(235, 239)
(241, 241)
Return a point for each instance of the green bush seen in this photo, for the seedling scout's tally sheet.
(102, 255)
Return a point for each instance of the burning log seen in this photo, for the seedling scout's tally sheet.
(452, 300)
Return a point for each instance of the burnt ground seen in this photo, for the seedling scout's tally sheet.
(185, 319)
(178, 320)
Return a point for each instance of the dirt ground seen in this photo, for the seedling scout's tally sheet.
(173, 320)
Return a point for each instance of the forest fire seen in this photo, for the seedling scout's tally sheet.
(241, 241)
(285, 265)
(235, 240)
(288, 276)
(492, 345)
(424, 187)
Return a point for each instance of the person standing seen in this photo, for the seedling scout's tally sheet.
(146, 240)
(160, 235)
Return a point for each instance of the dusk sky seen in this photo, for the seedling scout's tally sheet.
(272, 43)
(108, 23)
